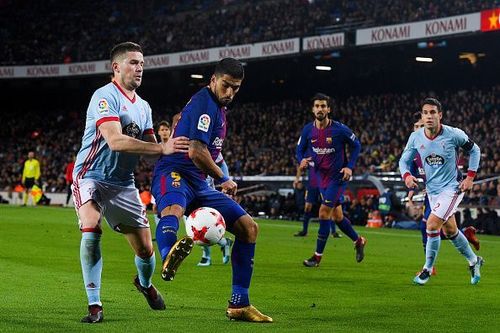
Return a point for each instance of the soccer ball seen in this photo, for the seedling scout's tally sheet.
(205, 226)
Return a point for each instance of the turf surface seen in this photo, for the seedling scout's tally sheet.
(42, 289)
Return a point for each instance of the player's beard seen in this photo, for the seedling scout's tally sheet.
(320, 117)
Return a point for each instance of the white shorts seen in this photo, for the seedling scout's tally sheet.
(444, 204)
(120, 205)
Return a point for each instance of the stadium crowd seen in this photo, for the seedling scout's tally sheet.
(79, 30)
(262, 137)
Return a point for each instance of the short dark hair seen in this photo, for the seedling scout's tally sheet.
(432, 101)
(321, 97)
(163, 123)
(231, 67)
(122, 48)
(417, 116)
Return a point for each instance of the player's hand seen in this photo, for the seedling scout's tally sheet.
(175, 145)
(466, 184)
(229, 187)
(304, 163)
(347, 173)
(296, 183)
(411, 182)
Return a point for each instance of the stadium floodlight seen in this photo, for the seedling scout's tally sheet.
(423, 59)
(323, 68)
(196, 76)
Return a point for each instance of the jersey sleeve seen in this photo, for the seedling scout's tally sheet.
(354, 144)
(103, 107)
(462, 140)
(148, 127)
(407, 156)
(302, 144)
(201, 119)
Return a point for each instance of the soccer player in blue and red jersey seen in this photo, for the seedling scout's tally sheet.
(118, 128)
(438, 145)
(329, 140)
(312, 196)
(179, 184)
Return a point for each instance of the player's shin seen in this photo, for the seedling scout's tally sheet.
(242, 266)
(166, 234)
(323, 233)
(91, 261)
(432, 248)
(462, 245)
(346, 227)
(145, 269)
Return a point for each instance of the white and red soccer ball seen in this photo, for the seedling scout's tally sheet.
(205, 226)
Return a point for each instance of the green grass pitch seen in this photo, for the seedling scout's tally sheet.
(42, 289)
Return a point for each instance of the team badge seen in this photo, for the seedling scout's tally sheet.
(329, 140)
(102, 106)
(176, 179)
(204, 122)
(434, 160)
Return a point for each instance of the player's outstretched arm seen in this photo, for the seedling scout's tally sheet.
(112, 133)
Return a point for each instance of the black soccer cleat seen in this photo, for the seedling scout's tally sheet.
(181, 249)
(152, 295)
(360, 248)
(301, 233)
(94, 316)
(312, 262)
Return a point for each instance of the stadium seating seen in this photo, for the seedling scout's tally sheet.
(164, 27)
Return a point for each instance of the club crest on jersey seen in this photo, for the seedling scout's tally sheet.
(434, 160)
(102, 106)
(329, 140)
(204, 122)
(176, 179)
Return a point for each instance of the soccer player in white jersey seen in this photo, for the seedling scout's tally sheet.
(438, 146)
(118, 128)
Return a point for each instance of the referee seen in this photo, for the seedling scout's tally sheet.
(31, 175)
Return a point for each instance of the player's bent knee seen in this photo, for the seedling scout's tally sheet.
(246, 229)
(145, 253)
(176, 210)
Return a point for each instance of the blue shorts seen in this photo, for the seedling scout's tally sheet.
(332, 196)
(172, 189)
(427, 207)
(312, 195)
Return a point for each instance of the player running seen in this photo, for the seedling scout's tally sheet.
(329, 140)
(179, 182)
(118, 128)
(417, 170)
(437, 145)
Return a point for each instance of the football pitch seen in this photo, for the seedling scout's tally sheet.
(42, 289)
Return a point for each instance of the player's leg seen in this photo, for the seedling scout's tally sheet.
(433, 224)
(245, 230)
(462, 245)
(145, 262)
(333, 228)
(89, 215)
(345, 225)
(470, 234)
(225, 245)
(307, 217)
(206, 259)
(172, 194)
(423, 228)
(323, 233)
